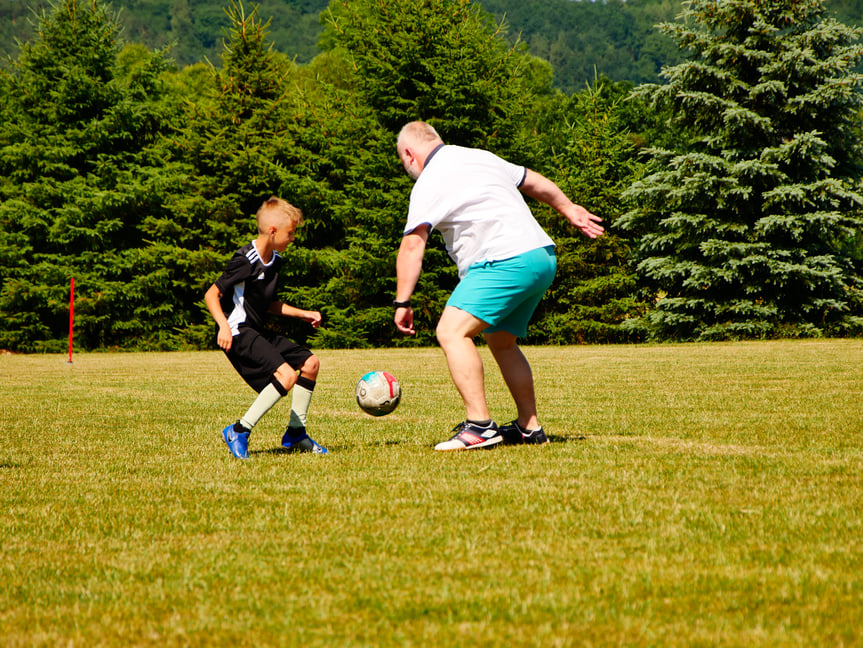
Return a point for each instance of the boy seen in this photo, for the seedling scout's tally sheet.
(271, 364)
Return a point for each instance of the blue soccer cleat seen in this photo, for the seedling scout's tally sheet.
(297, 439)
(237, 438)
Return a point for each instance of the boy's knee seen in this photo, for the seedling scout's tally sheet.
(311, 366)
(286, 376)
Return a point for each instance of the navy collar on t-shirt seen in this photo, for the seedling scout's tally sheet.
(432, 154)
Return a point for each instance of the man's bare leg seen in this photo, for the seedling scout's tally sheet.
(455, 333)
(517, 374)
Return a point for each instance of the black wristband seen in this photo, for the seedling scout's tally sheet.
(404, 304)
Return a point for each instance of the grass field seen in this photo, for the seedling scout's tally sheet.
(692, 495)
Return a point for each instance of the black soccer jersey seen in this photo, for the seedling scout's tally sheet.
(248, 287)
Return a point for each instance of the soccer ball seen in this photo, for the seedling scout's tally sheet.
(378, 393)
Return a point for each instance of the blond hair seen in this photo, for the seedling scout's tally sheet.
(275, 211)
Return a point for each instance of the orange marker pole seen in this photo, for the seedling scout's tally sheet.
(71, 315)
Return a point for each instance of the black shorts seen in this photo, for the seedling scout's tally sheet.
(256, 355)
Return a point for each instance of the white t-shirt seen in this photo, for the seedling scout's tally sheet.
(471, 196)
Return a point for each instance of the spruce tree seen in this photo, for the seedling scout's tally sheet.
(75, 154)
(443, 61)
(594, 160)
(748, 225)
(257, 134)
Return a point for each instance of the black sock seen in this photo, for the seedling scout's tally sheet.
(525, 430)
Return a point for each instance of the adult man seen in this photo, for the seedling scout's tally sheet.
(505, 263)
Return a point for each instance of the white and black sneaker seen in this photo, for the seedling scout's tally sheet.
(469, 435)
(513, 434)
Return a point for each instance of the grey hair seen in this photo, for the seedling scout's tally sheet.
(420, 131)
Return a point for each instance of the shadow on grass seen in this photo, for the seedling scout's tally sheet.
(331, 448)
(289, 451)
(9, 464)
(556, 438)
(336, 448)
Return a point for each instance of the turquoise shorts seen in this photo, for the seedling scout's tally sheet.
(506, 293)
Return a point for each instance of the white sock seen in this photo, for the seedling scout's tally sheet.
(300, 400)
(268, 397)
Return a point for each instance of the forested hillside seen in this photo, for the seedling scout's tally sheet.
(615, 38)
(195, 29)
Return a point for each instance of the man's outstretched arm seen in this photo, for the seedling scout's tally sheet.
(544, 190)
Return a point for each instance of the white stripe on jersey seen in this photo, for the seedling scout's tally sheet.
(238, 314)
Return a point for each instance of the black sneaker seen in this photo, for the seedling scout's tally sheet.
(514, 434)
(468, 436)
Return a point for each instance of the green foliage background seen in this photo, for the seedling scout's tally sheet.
(751, 222)
(139, 178)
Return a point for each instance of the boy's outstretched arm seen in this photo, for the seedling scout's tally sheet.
(286, 310)
(211, 298)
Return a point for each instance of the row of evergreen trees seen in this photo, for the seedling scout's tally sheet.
(139, 180)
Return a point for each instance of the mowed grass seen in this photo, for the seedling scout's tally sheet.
(692, 495)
